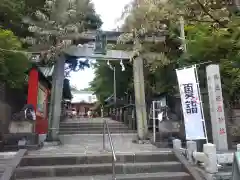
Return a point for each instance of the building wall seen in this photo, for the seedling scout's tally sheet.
(11, 101)
(37, 87)
(83, 96)
(82, 107)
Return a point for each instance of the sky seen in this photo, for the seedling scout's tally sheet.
(110, 11)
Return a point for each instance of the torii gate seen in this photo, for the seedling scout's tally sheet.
(86, 52)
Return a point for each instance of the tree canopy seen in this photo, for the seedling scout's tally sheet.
(103, 83)
(43, 26)
(12, 12)
(59, 24)
(13, 65)
(212, 35)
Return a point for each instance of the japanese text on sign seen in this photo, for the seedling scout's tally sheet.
(218, 98)
(217, 87)
(190, 103)
(220, 119)
(217, 107)
(216, 76)
(222, 131)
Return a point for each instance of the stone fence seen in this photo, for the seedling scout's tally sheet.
(210, 163)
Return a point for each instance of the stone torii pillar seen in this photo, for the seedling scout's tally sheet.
(56, 97)
(140, 103)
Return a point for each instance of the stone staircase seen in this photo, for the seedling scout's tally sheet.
(5, 159)
(3, 165)
(79, 127)
(133, 166)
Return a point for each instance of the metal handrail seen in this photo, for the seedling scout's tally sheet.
(114, 159)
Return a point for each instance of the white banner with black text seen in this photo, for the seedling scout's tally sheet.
(191, 105)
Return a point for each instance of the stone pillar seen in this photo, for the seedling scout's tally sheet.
(211, 153)
(191, 147)
(238, 147)
(216, 107)
(102, 115)
(140, 98)
(56, 96)
(177, 144)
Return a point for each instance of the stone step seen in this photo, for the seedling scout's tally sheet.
(3, 167)
(97, 159)
(91, 128)
(139, 176)
(91, 124)
(16, 147)
(5, 158)
(3, 162)
(224, 175)
(95, 132)
(94, 128)
(7, 155)
(97, 139)
(97, 169)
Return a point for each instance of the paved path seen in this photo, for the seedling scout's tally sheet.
(93, 143)
(90, 120)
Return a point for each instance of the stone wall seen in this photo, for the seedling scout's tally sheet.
(11, 101)
(127, 116)
(234, 125)
(5, 116)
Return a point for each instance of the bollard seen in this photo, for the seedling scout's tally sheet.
(199, 157)
(238, 147)
(210, 163)
(177, 144)
(191, 147)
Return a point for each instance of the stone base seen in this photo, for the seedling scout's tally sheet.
(50, 139)
(10, 141)
(42, 138)
(21, 127)
(141, 141)
(136, 140)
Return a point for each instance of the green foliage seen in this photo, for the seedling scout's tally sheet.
(59, 25)
(13, 65)
(87, 89)
(12, 12)
(212, 35)
(67, 89)
(220, 46)
(103, 82)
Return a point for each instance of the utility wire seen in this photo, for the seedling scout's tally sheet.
(24, 52)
